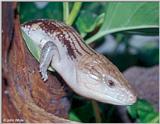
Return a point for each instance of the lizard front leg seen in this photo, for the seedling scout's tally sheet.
(49, 52)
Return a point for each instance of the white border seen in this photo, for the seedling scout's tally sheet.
(77, 0)
(56, 1)
(1, 62)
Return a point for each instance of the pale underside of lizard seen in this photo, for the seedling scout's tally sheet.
(87, 72)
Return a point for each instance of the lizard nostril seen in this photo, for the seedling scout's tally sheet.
(132, 98)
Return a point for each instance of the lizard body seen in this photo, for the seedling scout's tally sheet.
(87, 72)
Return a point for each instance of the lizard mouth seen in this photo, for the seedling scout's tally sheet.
(112, 98)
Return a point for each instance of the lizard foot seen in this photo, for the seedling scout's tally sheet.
(43, 72)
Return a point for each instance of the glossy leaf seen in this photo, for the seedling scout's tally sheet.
(144, 106)
(29, 11)
(143, 111)
(149, 54)
(122, 16)
(88, 21)
(146, 32)
(90, 16)
(132, 110)
(84, 113)
(74, 117)
(151, 118)
(94, 7)
(33, 48)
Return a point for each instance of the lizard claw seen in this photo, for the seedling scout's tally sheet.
(44, 77)
(43, 74)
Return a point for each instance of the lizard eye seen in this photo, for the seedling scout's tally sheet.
(110, 83)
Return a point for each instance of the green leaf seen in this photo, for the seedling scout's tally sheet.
(94, 7)
(88, 21)
(148, 56)
(144, 105)
(73, 117)
(33, 48)
(132, 110)
(90, 16)
(122, 16)
(84, 113)
(152, 117)
(143, 111)
(53, 11)
(29, 11)
(146, 31)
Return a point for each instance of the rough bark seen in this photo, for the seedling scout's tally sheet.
(26, 98)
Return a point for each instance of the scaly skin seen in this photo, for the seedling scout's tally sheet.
(87, 72)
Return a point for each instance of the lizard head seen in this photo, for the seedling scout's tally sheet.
(102, 81)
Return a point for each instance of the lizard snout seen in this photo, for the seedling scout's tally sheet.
(132, 98)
